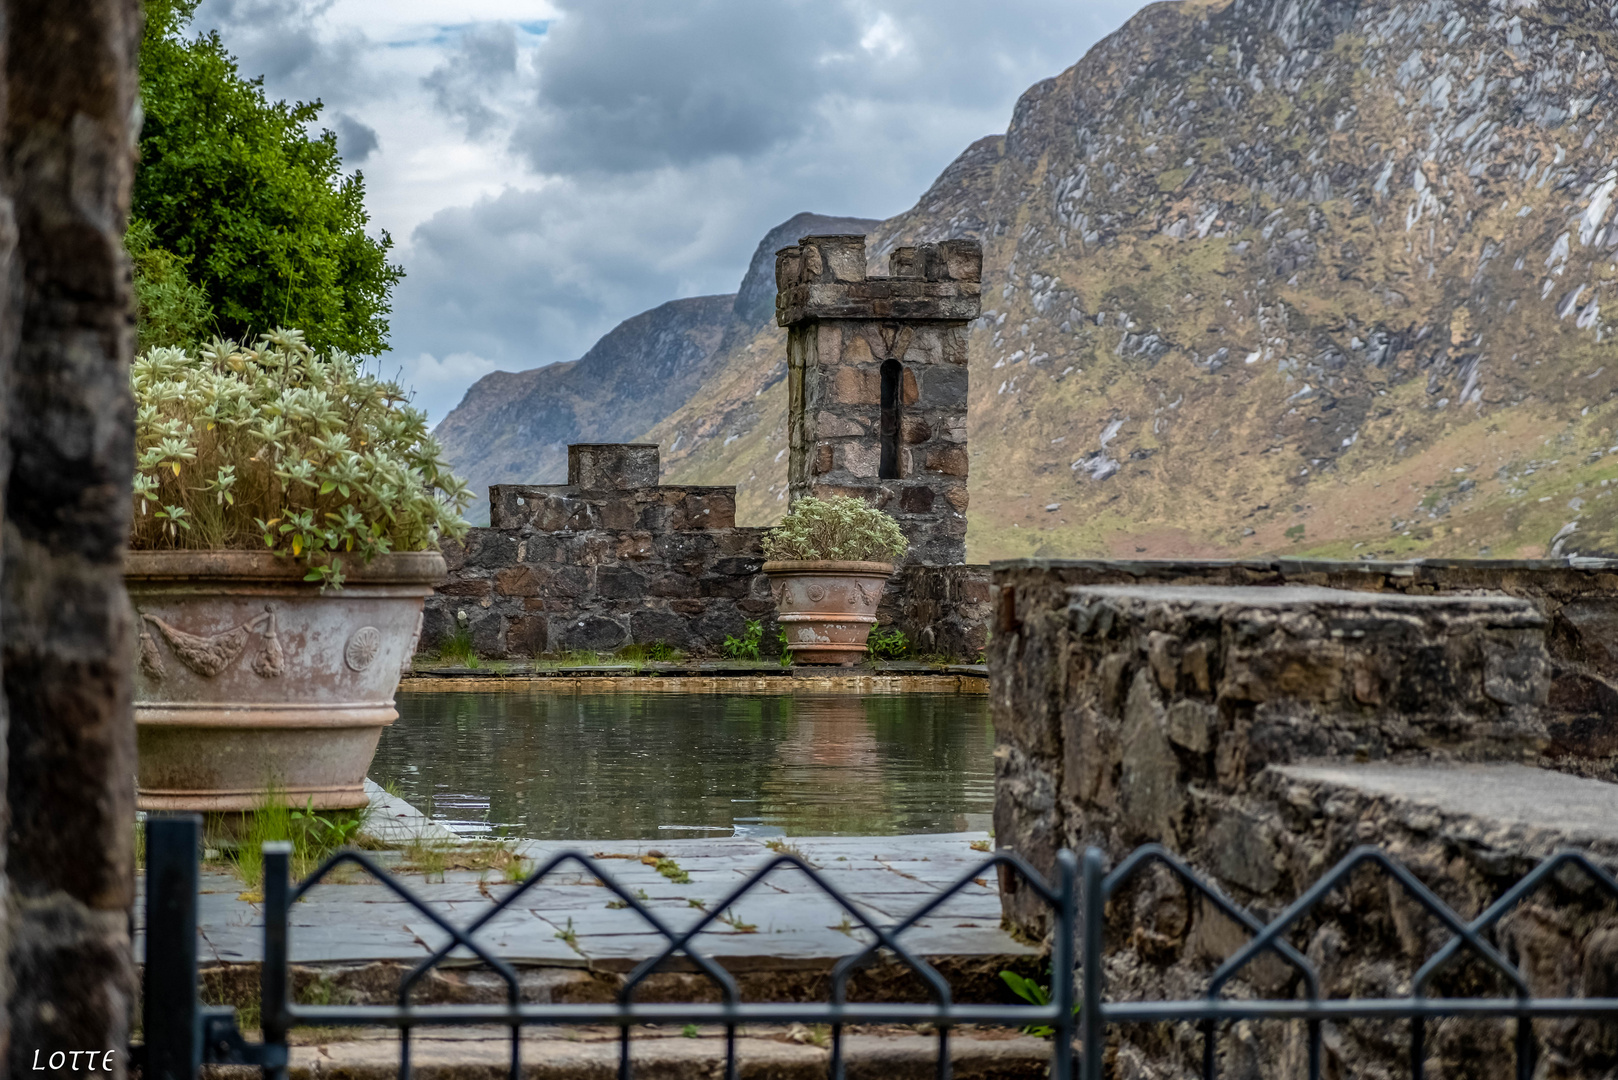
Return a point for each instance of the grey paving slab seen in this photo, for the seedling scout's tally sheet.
(515, 936)
(385, 935)
(793, 922)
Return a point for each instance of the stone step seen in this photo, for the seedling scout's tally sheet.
(1501, 808)
(660, 1054)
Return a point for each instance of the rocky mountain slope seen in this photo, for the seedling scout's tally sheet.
(1274, 276)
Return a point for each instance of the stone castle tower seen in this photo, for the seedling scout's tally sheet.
(876, 377)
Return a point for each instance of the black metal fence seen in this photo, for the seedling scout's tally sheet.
(182, 1034)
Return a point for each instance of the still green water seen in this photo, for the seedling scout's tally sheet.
(638, 766)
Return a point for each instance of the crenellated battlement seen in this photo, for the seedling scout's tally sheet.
(823, 277)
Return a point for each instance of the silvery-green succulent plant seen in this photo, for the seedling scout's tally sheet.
(275, 446)
(836, 527)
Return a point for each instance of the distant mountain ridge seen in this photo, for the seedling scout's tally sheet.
(515, 427)
(1271, 276)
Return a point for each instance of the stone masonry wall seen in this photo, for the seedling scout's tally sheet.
(1578, 597)
(606, 559)
(612, 558)
(1265, 732)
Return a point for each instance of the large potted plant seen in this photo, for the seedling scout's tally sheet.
(288, 508)
(829, 561)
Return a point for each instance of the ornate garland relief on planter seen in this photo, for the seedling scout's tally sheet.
(209, 655)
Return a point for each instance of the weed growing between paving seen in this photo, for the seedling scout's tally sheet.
(434, 858)
(785, 847)
(668, 868)
(315, 835)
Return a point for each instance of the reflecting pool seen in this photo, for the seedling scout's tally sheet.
(584, 766)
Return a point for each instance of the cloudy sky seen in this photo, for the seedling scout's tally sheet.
(548, 168)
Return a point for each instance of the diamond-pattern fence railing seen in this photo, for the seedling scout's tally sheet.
(182, 1034)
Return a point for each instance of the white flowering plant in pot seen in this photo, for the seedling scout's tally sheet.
(288, 507)
(828, 563)
(277, 447)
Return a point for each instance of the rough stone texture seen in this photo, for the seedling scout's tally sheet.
(69, 436)
(1578, 597)
(612, 558)
(1265, 732)
(580, 585)
(897, 440)
(943, 610)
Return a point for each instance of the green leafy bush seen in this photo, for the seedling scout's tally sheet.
(279, 447)
(251, 198)
(838, 527)
(169, 309)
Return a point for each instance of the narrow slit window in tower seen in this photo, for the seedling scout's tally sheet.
(892, 391)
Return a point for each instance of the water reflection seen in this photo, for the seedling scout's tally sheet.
(625, 766)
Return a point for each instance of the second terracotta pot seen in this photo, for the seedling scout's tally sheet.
(827, 607)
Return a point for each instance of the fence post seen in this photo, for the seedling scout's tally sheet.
(1062, 965)
(273, 991)
(1095, 906)
(171, 1015)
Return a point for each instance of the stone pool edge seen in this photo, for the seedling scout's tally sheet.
(960, 679)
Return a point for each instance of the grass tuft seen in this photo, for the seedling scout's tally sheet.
(457, 648)
(315, 835)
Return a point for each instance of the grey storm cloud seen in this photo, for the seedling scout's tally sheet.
(279, 40)
(356, 140)
(635, 84)
(483, 61)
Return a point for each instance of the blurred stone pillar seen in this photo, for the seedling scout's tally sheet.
(71, 110)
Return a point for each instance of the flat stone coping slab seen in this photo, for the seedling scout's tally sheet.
(570, 919)
(1576, 811)
(1304, 596)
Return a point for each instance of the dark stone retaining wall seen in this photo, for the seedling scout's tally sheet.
(1265, 732)
(612, 558)
(1578, 597)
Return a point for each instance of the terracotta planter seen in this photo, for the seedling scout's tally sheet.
(827, 607)
(248, 676)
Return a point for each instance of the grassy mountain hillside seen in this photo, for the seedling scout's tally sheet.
(514, 428)
(1281, 276)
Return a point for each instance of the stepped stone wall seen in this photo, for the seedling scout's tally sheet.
(613, 557)
(1263, 731)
